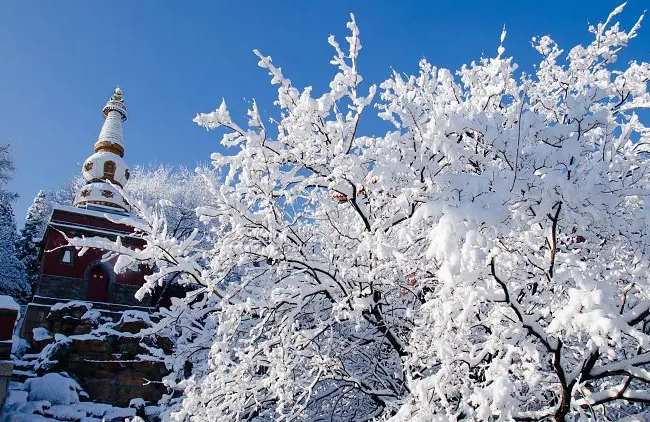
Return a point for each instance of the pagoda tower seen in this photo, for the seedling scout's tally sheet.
(106, 169)
(65, 274)
(78, 290)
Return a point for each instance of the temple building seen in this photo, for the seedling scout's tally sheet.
(65, 274)
(83, 320)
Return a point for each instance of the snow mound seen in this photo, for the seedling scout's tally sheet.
(8, 302)
(135, 316)
(41, 334)
(92, 316)
(137, 403)
(54, 388)
(16, 396)
(70, 305)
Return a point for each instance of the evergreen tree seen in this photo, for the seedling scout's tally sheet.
(27, 247)
(12, 271)
(6, 167)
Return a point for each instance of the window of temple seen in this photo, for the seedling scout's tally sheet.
(67, 256)
(109, 169)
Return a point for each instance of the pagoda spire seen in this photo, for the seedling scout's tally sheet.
(111, 137)
(106, 168)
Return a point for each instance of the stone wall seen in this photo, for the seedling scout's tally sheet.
(99, 349)
(64, 287)
(76, 289)
(124, 293)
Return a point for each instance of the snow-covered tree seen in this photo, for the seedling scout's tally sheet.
(6, 164)
(179, 190)
(65, 194)
(27, 246)
(487, 259)
(12, 271)
(176, 193)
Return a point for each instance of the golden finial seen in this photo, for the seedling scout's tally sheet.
(117, 95)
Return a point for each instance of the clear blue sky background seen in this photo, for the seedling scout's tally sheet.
(60, 61)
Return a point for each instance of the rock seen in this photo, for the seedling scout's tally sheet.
(129, 347)
(54, 356)
(82, 328)
(89, 344)
(41, 337)
(73, 309)
(133, 321)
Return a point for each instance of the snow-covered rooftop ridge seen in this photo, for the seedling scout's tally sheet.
(107, 213)
(8, 302)
(97, 212)
(95, 230)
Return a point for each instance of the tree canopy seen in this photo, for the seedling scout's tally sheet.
(486, 258)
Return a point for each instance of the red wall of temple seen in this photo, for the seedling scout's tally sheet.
(51, 261)
(83, 224)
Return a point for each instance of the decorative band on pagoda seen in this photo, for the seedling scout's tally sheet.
(109, 147)
(114, 105)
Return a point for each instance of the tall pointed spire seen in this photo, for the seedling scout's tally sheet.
(106, 168)
(111, 137)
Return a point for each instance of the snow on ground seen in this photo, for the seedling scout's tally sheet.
(54, 388)
(56, 397)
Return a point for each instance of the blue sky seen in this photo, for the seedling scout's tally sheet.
(60, 61)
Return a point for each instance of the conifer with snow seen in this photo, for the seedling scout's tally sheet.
(12, 271)
(27, 246)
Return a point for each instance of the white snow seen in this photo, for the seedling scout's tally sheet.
(135, 316)
(73, 303)
(54, 388)
(8, 302)
(137, 402)
(93, 315)
(54, 397)
(41, 334)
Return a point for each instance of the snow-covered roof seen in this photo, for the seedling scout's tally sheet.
(95, 230)
(110, 214)
(100, 211)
